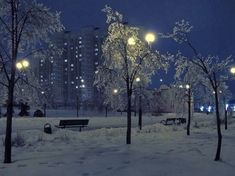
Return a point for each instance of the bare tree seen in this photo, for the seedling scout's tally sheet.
(213, 70)
(24, 26)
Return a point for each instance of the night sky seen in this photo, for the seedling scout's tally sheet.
(213, 21)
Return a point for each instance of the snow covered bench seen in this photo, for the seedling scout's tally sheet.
(73, 123)
(173, 121)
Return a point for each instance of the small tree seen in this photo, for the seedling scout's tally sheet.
(126, 57)
(212, 70)
(24, 26)
(186, 75)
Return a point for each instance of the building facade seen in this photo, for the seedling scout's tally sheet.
(70, 75)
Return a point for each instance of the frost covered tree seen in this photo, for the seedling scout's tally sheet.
(212, 70)
(25, 26)
(126, 57)
(187, 78)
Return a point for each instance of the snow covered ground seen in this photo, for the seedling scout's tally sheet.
(100, 150)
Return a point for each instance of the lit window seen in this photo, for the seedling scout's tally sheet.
(80, 55)
(65, 60)
(96, 49)
(80, 42)
(72, 82)
(65, 43)
(82, 80)
(72, 65)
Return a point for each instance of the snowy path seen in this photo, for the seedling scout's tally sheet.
(155, 151)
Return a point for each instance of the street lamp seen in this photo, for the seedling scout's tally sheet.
(232, 70)
(150, 37)
(22, 64)
(140, 104)
(115, 91)
(131, 41)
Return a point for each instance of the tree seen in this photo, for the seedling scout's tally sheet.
(126, 57)
(212, 70)
(24, 27)
(186, 75)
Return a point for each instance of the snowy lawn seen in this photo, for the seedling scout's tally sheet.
(100, 150)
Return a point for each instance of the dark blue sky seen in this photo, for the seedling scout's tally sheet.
(213, 20)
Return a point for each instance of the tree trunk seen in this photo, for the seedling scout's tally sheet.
(140, 113)
(7, 157)
(217, 156)
(189, 111)
(225, 119)
(128, 133)
(106, 111)
(11, 84)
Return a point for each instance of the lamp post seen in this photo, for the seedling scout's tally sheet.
(140, 104)
(22, 65)
(188, 87)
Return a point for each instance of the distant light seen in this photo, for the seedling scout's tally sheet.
(161, 80)
(131, 41)
(180, 86)
(201, 108)
(115, 91)
(209, 108)
(226, 106)
(42, 92)
(137, 79)
(82, 80)
(187, 86)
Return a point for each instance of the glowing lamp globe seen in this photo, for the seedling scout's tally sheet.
(25, 63)
(19, 66)
(232, 70)
(150, 37)
(131, 41)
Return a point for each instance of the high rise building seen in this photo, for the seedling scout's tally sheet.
(70, 75)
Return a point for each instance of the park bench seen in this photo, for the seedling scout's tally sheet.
(73, 123)
(173, 121)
